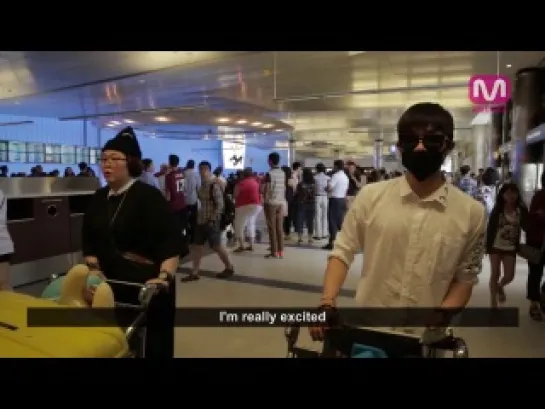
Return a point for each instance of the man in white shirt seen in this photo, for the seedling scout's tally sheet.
(337, 187)
(422, 238)
(321, 180)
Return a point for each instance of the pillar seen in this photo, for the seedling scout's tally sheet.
(482, 152)
(526, 106)
(377, 153)
(291, 150)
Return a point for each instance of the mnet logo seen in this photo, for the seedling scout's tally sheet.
(488, 91)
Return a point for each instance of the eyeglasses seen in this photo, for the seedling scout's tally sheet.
(113, 159)
(430, 141)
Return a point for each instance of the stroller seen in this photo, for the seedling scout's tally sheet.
(352, 342)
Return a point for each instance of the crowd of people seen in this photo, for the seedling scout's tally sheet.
(37, 171)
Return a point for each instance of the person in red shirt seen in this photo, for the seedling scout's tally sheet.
(174, 190)
(535, 235)
(247, 208)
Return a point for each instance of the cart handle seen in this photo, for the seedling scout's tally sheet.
(447, 341)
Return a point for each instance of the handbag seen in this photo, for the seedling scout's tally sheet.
(532, 254)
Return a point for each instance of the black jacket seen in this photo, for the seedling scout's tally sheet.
(492, 227)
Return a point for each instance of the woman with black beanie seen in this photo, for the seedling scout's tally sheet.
(130, 234)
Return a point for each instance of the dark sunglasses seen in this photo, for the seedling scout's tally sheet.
(430, 141)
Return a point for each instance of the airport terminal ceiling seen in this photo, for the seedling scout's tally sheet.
(333, 100)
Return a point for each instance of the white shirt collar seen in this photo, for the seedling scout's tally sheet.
(122, 190)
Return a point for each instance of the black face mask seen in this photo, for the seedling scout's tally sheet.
(422, 164)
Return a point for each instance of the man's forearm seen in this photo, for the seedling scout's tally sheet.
(335, 275)
(458, 295)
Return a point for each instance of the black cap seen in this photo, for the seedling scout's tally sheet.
(125, 141)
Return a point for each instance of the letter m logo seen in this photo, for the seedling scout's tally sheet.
(489, 89)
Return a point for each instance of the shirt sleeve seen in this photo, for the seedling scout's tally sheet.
(471, 262)
(164, 226)
(351, 238)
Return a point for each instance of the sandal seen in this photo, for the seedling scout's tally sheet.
(190, 277)
(535, 313)
(239, 250)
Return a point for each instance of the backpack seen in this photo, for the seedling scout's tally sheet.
(228, 215)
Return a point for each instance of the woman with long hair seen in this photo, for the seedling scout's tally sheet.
(305, 196)
(247, 208)
(354, 182)
(507, 219)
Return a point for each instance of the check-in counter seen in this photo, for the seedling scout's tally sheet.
(45, 218)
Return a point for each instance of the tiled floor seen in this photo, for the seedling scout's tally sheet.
(296, 281)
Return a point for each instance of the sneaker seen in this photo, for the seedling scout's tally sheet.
(280, 254)
(228, 272)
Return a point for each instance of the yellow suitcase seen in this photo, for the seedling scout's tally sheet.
(19, 341)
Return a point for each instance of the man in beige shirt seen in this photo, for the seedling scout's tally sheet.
(422, 238)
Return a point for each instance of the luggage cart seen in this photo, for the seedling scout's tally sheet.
(339, 343)
(135, 332)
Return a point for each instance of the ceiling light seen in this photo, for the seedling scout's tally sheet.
(223, 119)
(129, 121)
(279, 130)
(257, 123)
(161, 118)
(115, 123)
(142, 81)
(268, 126)
(110, 125)
(242, 121)
(508, 65)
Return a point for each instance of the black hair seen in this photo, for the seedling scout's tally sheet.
(308, 177)
(338, 164)
(146, 163)
(320, 168)
(296, 165)
(205, 164)
(190, 164)
(218, 171)
(500, 201)
(274, 158)
(82, 166)
(490, 177)
(247, 172)
(426, 115)
(173, 160)
(464, 170)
